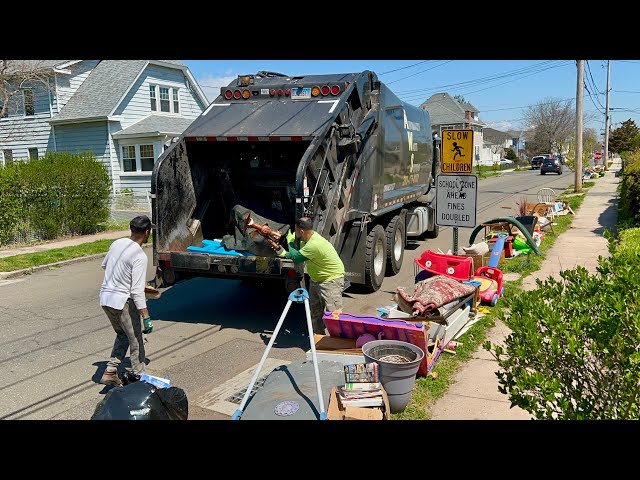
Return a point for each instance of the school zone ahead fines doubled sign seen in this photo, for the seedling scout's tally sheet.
(457, 151)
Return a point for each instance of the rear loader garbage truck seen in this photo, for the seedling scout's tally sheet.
(339, 148)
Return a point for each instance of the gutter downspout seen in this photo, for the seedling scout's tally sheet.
(53, 128)
(113, 180)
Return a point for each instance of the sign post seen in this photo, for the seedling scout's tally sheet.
(456, 188)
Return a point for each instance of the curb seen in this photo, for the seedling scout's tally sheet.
(30, 270)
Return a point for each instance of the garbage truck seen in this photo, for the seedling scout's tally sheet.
(341, 149)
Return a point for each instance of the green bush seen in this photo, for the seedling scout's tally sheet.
(572, 353)
(10, 203)
(61, 193)
(629, 203)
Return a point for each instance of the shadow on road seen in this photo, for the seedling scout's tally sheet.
(233, 304)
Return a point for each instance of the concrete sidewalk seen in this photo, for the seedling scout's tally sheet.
(69, 242)
(474, 394)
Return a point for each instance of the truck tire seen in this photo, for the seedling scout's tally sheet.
(395, 234)
(375, 259)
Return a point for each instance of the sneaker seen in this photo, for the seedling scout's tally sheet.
(111, 378)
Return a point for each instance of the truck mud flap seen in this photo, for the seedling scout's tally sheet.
(226, 264)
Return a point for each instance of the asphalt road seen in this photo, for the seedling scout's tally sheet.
(55, 338)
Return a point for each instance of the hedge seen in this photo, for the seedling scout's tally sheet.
(59, 194)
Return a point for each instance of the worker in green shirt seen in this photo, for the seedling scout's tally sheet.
(324, 267)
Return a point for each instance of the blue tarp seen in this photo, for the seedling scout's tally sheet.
(215, 247)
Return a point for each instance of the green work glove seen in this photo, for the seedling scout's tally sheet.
(291, 237)
(281, 252)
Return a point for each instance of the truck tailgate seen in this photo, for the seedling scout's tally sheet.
(226, 263)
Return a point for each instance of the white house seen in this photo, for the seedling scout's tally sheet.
(447, 113)
(124, 111)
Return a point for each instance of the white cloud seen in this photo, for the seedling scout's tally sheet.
(211, 84)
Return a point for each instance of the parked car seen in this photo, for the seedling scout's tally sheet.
(551, 165)
(536, 160)
(505, 161)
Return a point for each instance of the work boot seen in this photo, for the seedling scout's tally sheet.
(111, 378)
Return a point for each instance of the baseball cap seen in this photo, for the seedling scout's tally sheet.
(141, 223)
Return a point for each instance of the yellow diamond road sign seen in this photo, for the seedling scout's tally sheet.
(457, 151)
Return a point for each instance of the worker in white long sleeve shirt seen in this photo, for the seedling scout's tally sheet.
(123, 300)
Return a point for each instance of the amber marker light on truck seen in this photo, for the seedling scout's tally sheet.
(315, 91)
(246, 94)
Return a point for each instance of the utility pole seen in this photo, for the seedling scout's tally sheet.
(579, 101)
(606, 121)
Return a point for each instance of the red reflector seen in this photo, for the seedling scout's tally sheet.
(325, 90)
(287, 92)
(237, 94)
(232, 139)
(274, 139)
(272, 93)
(291, 274)
(190, 139)
(296, 139)
(228, 94)
(335, 90)
(167, 263)
(280, 92)
(253, 139)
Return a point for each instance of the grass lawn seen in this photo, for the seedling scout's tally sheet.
(27, 260)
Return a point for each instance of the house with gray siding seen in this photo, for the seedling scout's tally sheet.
(447, 113)
(124, 111)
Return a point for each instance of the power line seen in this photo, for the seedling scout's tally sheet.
(408, 66)
(414, 74)
(481, 80)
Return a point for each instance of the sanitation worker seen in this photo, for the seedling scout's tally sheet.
(324, 267)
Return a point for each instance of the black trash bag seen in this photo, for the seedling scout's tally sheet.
(142, 401)
(252, 241)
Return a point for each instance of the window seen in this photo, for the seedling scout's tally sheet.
(169, 98)
(146, 157)
(138, 158)
(176, 105)
(28, 101)
(164, 100)
(33, 153)
(8, 157)
(129, 158)
(152, 96)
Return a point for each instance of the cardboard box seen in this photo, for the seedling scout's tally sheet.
(483, 260)
(336, 349)
(335, 410)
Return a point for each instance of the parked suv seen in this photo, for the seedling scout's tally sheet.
(551, 165)
(536, 161)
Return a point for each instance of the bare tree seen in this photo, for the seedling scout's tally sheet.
(553, 122)
(19, 81)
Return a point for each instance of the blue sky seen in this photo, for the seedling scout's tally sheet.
(499, 89)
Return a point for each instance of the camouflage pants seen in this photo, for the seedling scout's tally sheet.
(325, 296)
(128, 327)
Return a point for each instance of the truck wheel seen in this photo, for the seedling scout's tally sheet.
(376, 259)
(432, 233)
(395, 244)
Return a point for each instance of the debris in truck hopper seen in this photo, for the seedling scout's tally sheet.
(255, 244)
